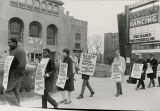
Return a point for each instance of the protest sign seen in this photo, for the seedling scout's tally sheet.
(87, 64)
(116, 72)
(7, 65)
(158, 70)
(39, 79)
(63, 69)
(137, 70)
(149, 69)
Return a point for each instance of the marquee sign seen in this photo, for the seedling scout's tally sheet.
(144, 34)
(141, 3)
(144, 25)
(144, 17)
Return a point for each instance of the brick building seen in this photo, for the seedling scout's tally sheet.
(39, 24)
(111, 44)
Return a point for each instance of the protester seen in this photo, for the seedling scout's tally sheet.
(16, 73)
(153, 63)
(84, 84)
(141, 80)
(49, 80)
(158, 80)
(69, 85)
(120, 59)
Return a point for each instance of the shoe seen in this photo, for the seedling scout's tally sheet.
(148, 86)
(67, 102)
(62, 101)
(92, 93)
(142, 88)
(56, 106)
(117, 95)
(80, 97)
(158, 86)
(153, 86)
(136, 88)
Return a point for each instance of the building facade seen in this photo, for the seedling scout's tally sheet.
(39, 24)
(111, 44)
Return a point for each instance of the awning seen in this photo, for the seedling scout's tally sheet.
(146, 51)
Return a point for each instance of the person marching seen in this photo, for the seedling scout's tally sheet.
(49, 80)
(141, 80)
(69, 85)
(16, 73)
(153, 63)
(84, 84)
(121, 60)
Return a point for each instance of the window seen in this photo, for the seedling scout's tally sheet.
(35, 29)
(29, 4)
(78, 37)
(51, 35)
(37, 5)
(55, 9)
(50, 8)
(22, 3)
(77, 46)
(16, 29)
(44, 7)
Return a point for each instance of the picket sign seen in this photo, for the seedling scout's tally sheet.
(87, 64)
(158, 70)
(116, 72)
(62, 77)
(7, 65)
(39, 79)
(137, 70)
(149, 69)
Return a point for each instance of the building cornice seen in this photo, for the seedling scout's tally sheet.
(56, 1)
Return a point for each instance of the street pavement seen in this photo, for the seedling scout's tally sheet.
(104, 98)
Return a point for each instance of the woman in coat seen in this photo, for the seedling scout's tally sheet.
(69, 85)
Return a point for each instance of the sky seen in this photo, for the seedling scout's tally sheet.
(101, 15)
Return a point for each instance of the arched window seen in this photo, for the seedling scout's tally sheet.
(35, 29)
(29, 2)
(16, 26)
(50, 8)
(22, 1)
(37, 3)
(44, 5)
(51, 35)
(77, 36)
(56, 9)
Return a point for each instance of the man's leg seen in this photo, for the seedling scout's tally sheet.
(44, 101)
(118, 90)
(48, 98)
(153, 82)
(82, 89)
(138, 85)
(90, 88)
(16, 92)
(143, 85)
(150, 81)
(12, 99)
(159, 81)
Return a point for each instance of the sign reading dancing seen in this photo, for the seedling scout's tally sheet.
(7, 65)
(62, 75)
(39, 79)
(87, 64)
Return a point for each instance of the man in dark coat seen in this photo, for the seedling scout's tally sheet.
(141, 80)
(16, 73)
(153, 63)
(49, 80)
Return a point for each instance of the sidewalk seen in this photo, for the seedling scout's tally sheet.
(104, 97)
